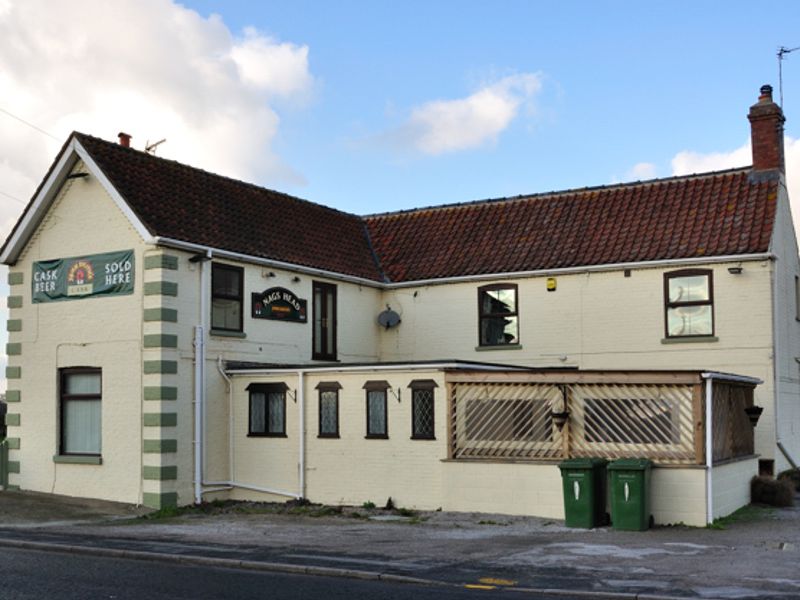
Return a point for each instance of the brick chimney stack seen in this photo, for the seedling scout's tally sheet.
(766, 131)
(124, 139)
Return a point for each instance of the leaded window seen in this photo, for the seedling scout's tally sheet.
(422, 409)
(376, 409)
(267, 409)
(329, 409)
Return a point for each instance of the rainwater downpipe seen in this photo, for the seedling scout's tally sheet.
(301, 406)
(775, 375)
(231, 428)
(231, 483)
(199, 379)
(709, 449)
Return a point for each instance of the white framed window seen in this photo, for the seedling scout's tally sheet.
(80, 408)
(227, 297)
(689, 303)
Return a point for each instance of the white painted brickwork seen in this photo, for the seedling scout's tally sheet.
(97, 332)
(592, 321)
(731, 485)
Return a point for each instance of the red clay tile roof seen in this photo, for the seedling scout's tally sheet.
(714, 214)
(180, 202)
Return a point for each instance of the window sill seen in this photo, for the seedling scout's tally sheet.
(376, 437)
(329, 435)
(77, 459)
(232, 334)
(498, 347)
(420, 437)
(699, 339)
(267, 435)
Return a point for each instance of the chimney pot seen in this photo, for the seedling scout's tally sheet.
(124, 139)
(766, 133)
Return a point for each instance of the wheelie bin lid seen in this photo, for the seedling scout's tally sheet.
(630, 464)
(582, 463)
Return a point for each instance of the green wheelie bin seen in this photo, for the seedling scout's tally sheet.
(584, 484)
(630, 494)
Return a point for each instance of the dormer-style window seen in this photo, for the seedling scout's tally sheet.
(498, 323)
(689, 303)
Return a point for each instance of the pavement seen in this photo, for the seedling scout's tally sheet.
(754, 556)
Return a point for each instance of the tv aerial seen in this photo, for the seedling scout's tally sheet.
(151, 148)
(782, 51)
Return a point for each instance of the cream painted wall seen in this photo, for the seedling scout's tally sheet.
(678, 496)
(600, 320)
(264, 341)
(349, 469)
(592, 321)
(730, 486)
(100, 332)
(787, 339)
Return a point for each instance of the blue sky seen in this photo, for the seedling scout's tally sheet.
(376, 106)
(621, 83)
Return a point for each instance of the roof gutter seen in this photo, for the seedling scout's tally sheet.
(676, 262)
(731, 377)
(374, 368)
(191, 247)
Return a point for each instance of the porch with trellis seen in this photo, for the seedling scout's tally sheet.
(554, 415)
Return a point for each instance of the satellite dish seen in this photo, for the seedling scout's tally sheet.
(388, 319)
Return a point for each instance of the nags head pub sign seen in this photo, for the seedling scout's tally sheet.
(79, 277)
(279, 304)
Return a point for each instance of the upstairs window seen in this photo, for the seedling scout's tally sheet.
(324, 318)
(267, 409)
(689, 303)
(498, 323)
(227, 293)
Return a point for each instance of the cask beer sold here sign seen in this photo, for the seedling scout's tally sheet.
(108, 274)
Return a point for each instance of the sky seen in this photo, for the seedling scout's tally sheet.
(376, 106)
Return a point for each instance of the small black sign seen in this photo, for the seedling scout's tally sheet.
(279, 304)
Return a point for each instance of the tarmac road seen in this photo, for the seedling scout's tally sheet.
(754, 558)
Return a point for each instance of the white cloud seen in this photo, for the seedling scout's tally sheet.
(151, 68)
(442, 126)
(641, 171)
(686, 162)
(281, 68)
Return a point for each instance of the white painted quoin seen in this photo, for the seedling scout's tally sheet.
(174, 404)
